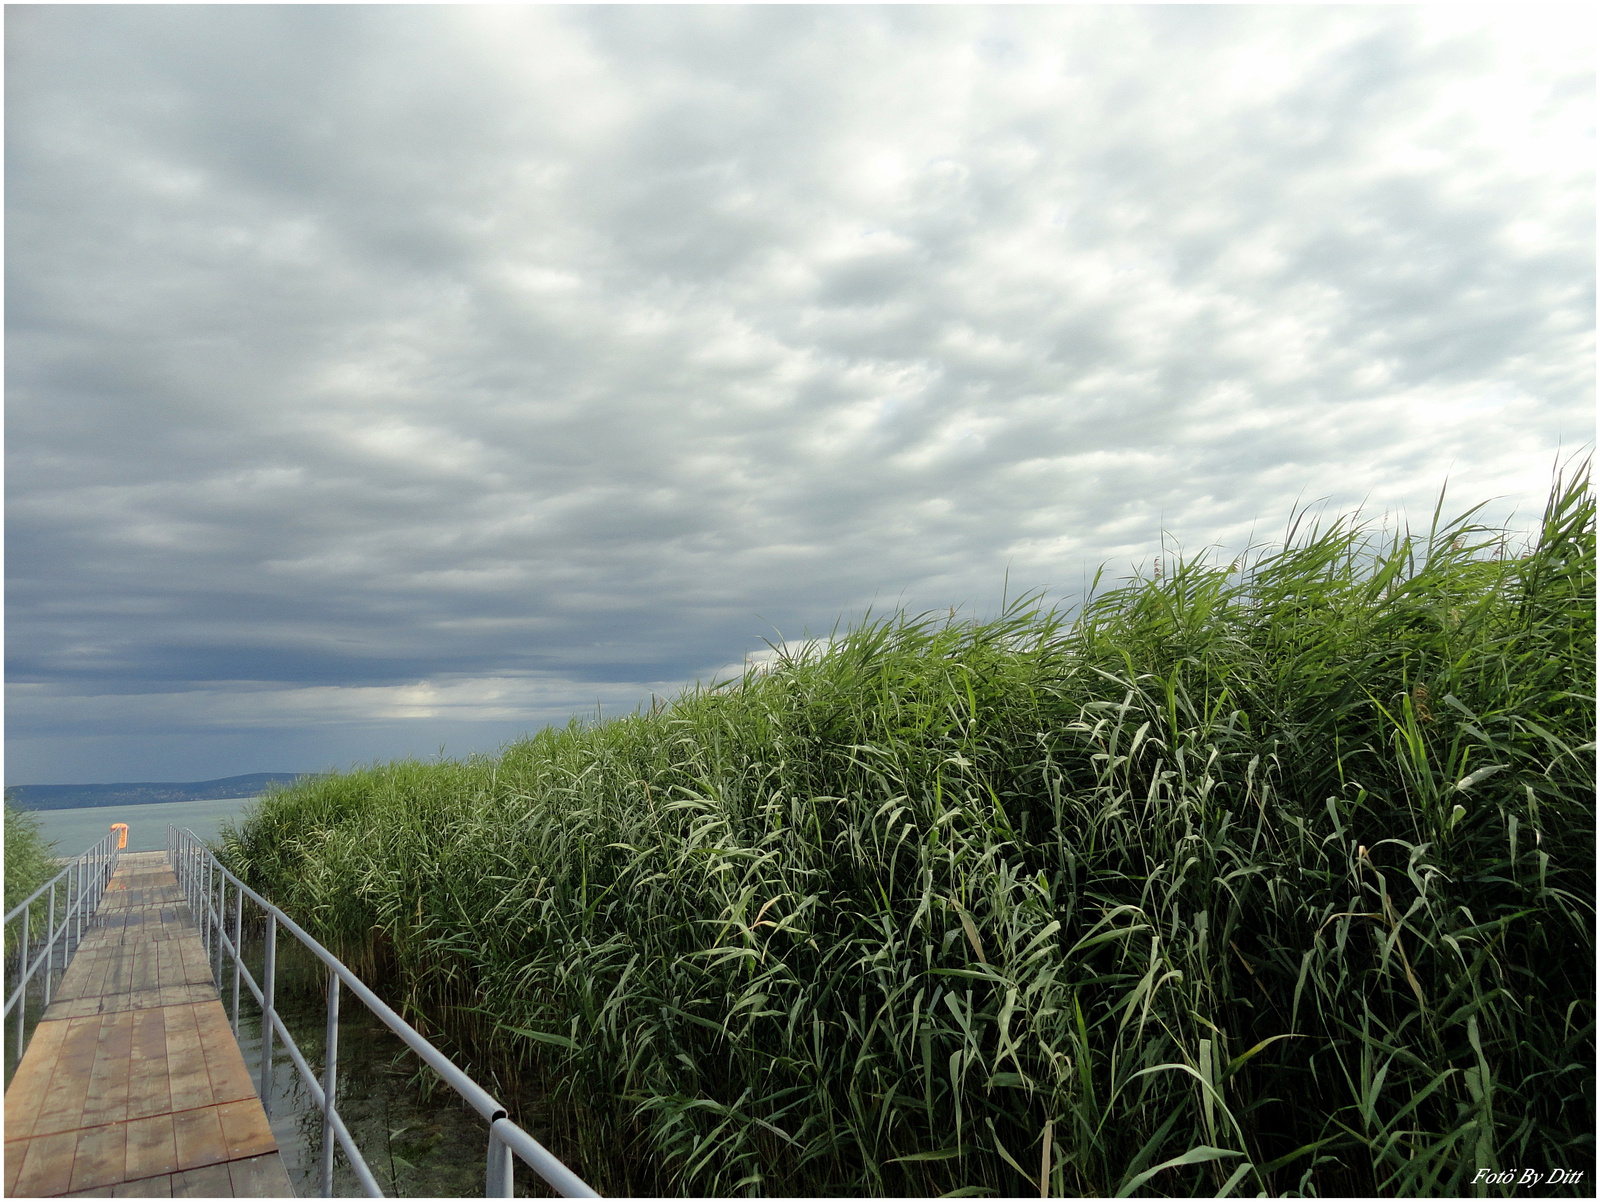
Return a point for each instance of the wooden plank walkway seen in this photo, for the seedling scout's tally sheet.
(133, 1085)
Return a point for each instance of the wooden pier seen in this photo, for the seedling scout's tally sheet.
(133, 1085)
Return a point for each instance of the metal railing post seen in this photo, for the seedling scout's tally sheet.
(498, 1176)
(205, 909)
(22, 973)
(214, 904)
(329, 1083)
(238, 953)
(269, 972)
(222, 908)
(50, 944)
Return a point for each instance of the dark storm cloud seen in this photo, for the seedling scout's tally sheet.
(403, 370)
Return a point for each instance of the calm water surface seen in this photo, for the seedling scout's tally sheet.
(72, 831)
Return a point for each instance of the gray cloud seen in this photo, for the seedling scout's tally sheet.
(380, 372)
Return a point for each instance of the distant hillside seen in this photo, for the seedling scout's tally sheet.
(72, 797)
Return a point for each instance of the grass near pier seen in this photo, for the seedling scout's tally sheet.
(1271, 877)
(29, 862)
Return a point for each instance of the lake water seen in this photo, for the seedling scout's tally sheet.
(73, 831)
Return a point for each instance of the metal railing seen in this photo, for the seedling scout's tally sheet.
(81, 883)
(208, 885)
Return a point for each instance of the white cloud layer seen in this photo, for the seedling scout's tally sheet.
(383, 367)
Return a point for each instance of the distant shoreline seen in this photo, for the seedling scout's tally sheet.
(112, 801)
(117, 802)
(39, 798)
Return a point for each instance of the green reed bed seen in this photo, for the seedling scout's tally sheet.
(1274, 876)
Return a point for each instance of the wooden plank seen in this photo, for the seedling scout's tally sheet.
(133, 975)
(77, 977)
(187, 1078)
(120, 978)
(230, 1080)
(107, 1101)
(119, 961)
(196, 965)
(32, 1079)
(15, 1151)
(260, 1177)
(147, 970)
(153, 931)
(152, 1147)
(86, 976)
(209, 1182)
(100, 938)
(149, 1091)
(146, 965)
(150, 1187)
(244, 1126)
(199, 1137)
(100, 969)
(115, 959)
(100, 1155)
(62, 1106)
(46, 1165)
(167, 995)
(170, 955)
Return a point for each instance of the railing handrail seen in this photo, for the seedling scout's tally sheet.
(89, 871)
(56, 880)
(505, 1138)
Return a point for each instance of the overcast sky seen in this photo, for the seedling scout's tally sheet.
(383, 377)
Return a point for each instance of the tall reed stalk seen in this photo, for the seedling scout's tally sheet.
(1274, 876)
